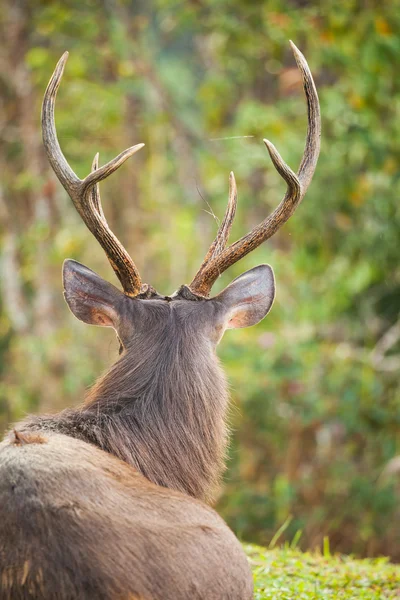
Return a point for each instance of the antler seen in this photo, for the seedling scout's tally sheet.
(219, 258)
(84, 193)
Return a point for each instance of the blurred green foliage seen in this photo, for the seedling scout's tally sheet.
(316, 420)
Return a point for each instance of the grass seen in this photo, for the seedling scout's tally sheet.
(288, 574)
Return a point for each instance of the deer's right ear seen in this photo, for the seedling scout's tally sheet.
(248, 298)
(90, 298)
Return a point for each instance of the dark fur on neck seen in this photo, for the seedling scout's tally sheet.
(168, 424)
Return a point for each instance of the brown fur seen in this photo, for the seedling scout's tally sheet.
(77, 523)
(162, 407)
(103, 501)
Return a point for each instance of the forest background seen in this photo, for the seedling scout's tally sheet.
(316, 417)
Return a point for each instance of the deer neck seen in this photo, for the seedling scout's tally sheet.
(164, 412)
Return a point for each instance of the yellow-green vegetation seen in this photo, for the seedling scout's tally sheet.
(288, 574)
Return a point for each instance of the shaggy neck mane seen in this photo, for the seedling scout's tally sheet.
(167, 422)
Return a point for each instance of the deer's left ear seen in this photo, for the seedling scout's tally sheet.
(248, 298)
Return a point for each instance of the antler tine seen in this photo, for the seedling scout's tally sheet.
(313, 139)
(84, 193)
(95, 195)
(297, 186)
(224, 229)
(56, 158)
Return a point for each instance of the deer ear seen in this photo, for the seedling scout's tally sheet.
(249, 297)
(90, 298)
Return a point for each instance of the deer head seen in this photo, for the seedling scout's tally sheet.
(167, 381)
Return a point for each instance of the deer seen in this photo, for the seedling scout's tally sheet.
(112, 499)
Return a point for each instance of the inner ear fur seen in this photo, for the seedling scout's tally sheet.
(249, 298)
(90, 298)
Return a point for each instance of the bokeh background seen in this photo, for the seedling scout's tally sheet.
(316, 416)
